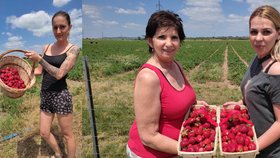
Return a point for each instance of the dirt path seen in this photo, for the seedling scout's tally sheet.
(225, 67)
(196, 69)
(217, 92)
(225, 82)
(240, 58)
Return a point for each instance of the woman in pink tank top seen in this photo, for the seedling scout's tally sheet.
(162, 95)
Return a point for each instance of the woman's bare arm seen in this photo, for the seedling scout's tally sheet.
(66, 66)
(147, 111)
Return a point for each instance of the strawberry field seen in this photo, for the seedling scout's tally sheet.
(214, 68)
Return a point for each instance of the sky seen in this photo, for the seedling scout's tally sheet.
(201, 18)
(26, 24)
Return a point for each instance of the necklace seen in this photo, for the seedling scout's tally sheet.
(261, 60)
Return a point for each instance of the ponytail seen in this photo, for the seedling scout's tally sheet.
(275, 53)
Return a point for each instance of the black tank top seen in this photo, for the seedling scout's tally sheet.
(50, 83)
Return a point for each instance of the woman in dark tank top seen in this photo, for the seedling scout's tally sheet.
(261, 83)
(54, 64)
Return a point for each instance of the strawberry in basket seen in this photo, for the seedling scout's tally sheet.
(236, 130)
(11, 78)
(198, 133)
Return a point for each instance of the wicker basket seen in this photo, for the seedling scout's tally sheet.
(25, 70)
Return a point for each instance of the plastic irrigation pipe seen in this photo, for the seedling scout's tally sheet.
(10, 136)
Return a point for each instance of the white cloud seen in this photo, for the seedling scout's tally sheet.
(139, 10)
(105, 22)
(256, 3)
(39, 23)
(75, 13)
(206, 18)
(233, 18)
(38, 48)
(91, 11)
(14, 42)
(239, 0)
(7, 33)
(142, 4)
(207, 10)
(76, 31)
(132, 26)
(60, 3)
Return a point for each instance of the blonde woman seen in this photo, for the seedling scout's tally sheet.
(261, 83)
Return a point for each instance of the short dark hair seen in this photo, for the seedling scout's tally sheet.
(164, 19)
(64, 14)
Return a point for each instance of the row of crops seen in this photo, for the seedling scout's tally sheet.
(109, 57)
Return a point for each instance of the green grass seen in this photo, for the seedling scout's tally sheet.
(110, 57)
(236, 68)
(77, 72)
(9, 108)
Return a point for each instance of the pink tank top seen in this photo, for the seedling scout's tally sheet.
(174, 106)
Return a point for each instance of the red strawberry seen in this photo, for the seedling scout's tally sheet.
(237, 107)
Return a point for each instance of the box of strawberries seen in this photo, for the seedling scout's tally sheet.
(217, 131)
(237, 136)
(199, 132)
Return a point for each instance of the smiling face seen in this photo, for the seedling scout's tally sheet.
(263, 35)
(61, 28)
(165, 43)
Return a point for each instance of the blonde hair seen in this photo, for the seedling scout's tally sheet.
(273, 15)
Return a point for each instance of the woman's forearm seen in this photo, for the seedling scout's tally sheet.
(52, 70)
(161, 143)
(270, 136)
(241, 102)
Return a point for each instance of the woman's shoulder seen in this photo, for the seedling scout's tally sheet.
(274, 69)
(74, 46)
(147, 76)
(74, 49)
(46, 46)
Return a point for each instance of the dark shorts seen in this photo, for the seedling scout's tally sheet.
(56, 102)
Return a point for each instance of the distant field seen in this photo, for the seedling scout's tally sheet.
(214, 69)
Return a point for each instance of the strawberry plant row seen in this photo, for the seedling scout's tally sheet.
(244, 49)
(194, 52)
(236, 67)
(212, 68)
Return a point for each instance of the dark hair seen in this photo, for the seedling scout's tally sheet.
(164, 19)
(64, 14)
